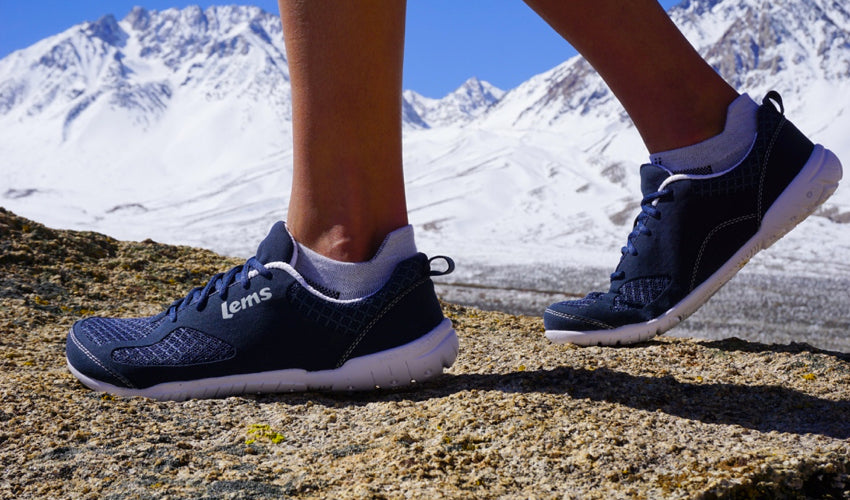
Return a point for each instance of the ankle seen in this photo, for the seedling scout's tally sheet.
(720, 152)
(349, 280)
(688, 121)
(337, 245)
(341, 242)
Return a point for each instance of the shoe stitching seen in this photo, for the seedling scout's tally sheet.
(765, 162)
(705, 243)
(758, 214)
(377, 317)
(89, 355)
(579, 318)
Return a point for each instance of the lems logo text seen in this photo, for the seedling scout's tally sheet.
(228, 309)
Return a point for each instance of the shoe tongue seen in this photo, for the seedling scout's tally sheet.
(651, 177)
(278, 245)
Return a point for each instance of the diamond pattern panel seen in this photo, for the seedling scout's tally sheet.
(106, 330)
(184, 346)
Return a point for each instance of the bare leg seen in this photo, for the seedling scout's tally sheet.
(345, 63)
(673, 96)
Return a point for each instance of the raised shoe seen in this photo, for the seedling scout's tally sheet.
(694, 232)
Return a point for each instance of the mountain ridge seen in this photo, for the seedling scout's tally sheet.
(185, 116)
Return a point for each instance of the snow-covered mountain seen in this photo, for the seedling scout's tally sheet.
(800, 48)
(107, 114)
(469, 101)
(176, 125)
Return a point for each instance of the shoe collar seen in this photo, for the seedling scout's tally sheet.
(278, 246)
(651, 178)
(654, 178)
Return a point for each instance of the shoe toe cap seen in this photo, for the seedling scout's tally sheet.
(598, 311)
(567, 316)
(90, 362)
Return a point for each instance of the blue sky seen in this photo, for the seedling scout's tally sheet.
(447, 41)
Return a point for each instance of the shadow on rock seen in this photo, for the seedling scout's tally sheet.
(760, 407)
(734, 344)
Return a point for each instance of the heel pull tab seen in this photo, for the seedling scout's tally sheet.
(775, 97)
(450, 265)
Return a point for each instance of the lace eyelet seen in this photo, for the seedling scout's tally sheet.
(218, 284)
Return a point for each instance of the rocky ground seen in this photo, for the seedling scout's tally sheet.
(514, 417)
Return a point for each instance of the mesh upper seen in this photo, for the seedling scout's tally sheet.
(348, 319)
(589, 300)
(102, 331)
(183, 346)
(644, 290)
(746, 177)
(634, 294)
(640, 292)
(706, 170)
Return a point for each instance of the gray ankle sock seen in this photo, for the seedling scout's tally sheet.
(721, 152)
(352, 280)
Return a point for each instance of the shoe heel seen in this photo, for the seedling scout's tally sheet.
(816, 182)
(415, 362)
(829, 175)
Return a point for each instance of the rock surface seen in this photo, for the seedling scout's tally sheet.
(514, 417)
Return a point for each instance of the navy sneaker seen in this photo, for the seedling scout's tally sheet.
(260, 327)
(695, 232)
